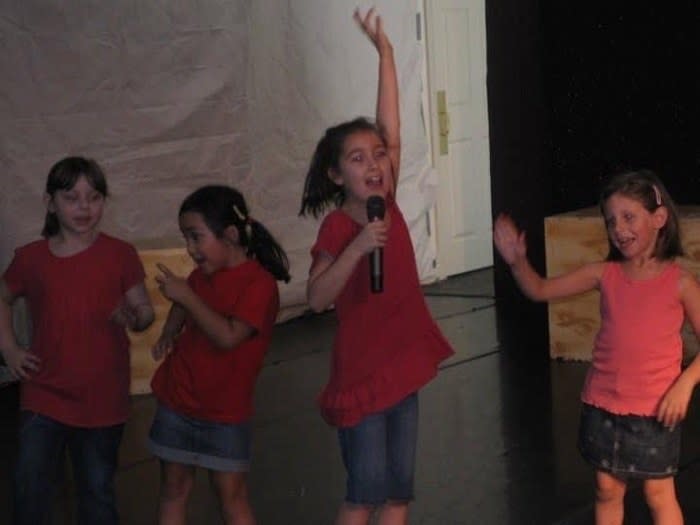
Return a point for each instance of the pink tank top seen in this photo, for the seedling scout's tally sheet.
(638, 350)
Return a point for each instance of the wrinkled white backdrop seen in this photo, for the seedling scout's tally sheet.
(169, 95)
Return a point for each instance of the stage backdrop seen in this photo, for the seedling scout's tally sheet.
(168, 96)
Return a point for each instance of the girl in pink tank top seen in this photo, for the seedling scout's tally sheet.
(635, 394)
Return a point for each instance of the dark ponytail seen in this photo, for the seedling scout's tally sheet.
(223, 206)
(263, 247)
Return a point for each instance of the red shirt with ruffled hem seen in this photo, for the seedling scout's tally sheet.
(387, 345)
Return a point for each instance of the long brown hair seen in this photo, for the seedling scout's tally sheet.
(645, 187)
(319, 190)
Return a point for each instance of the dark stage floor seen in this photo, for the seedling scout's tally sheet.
(496, 446)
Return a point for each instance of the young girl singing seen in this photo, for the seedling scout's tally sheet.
(635, 395)
(387, 346)
(214, 341)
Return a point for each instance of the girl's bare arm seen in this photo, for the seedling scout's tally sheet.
(171, 329)
(388, 111)
(674, 405)
(329, 275)
(225, 333)
(136, 309)
(510, 243)
(19, 360)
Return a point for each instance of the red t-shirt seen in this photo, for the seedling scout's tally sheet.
(387, 345)
(84, 375)
(203, 381)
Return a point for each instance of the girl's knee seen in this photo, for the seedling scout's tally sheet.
(609, 488)
(230, 487)
(176, 483)
(232, 492)
(175, 490)
(393, 513)
(660, 492)
(354, 514)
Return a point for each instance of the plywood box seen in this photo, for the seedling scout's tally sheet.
(578, 237)
(172, 254)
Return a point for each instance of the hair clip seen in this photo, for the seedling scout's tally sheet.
(247, 221)
(238, 213)
(657, 193)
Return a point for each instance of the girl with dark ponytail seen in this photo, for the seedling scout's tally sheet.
(213, 341)
(387, 346)
(221, 207)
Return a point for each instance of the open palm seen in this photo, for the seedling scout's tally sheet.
(509, 241)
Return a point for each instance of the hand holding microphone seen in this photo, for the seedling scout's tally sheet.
(375, 211)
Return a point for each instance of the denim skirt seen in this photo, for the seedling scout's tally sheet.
(628, 446)
(176, 438)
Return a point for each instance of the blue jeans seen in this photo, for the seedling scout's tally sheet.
(380, 454)
(93, 453)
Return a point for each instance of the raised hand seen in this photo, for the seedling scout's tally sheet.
(509, 241)
(371, 25)
(172, 286)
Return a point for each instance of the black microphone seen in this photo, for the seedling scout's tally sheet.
(375, 210)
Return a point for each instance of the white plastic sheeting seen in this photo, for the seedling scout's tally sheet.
(169, 95)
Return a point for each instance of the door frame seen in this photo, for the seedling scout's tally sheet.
(429, 111)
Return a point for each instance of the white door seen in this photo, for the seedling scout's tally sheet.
(456, 54)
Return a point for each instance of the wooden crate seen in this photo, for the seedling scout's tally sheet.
(168, 253)
(578, 237)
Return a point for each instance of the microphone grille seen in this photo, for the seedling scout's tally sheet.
(375, 207)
